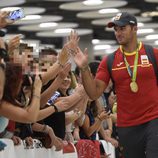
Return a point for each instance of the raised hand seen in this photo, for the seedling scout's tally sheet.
(37, 83)
(13, 43)
(64, 72)
(63, 56)
(72, 42)
(81, 58)
(3, 19)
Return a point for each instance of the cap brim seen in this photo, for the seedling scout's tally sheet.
(116, 23)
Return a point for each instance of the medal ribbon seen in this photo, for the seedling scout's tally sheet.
(133, 74)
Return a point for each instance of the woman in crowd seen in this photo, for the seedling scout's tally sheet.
(10, 106)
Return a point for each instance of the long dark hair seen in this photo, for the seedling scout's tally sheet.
(93, 108)
(13, 75)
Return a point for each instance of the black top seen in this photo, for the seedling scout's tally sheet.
(57, 122)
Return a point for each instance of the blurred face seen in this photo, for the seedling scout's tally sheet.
(124, 34)
(35, 69)
(27, 58)
(51, 58)
(16, 56)
(66, 83)
(46, 61)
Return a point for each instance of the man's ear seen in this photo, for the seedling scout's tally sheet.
(135, 28)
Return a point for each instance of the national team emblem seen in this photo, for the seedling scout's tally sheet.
(117, 17)
(144, 60)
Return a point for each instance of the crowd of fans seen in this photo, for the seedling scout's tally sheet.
(42, 98)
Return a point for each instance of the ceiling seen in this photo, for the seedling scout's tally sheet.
(82, 17)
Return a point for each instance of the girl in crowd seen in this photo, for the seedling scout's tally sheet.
(10, 106)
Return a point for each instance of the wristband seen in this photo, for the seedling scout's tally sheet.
(55, 108)
(36, 96)
(85, 68)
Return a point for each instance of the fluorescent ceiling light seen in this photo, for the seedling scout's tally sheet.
(106, 11)
(63, 30)
(32, 17)
(33, 44)
(10, 8)
(100, 47)
(48, 24)
(140, 24)
(144, 31)
(156, 42)
(151, 14)
(152, 37)
(92, 2)
(109, 51)
(95, 41)
(151, 1)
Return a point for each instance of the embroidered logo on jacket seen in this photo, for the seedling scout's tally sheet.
(144, 60)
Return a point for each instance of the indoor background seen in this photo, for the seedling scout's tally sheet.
(48, 22)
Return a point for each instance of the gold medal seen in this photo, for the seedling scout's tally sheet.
(134, 87)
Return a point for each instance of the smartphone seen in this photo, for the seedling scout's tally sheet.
(16, 14)
(53, 98)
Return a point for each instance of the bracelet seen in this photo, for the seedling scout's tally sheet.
(85, 68)
(55, 108)
(36, 96)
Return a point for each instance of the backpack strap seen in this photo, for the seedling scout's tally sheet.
(110, 60)
(152, 59)
(150, 54)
